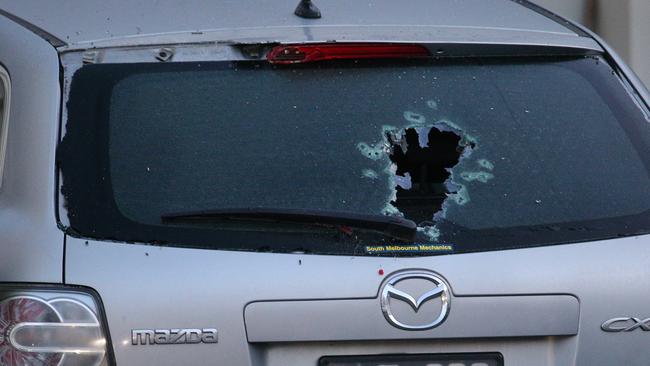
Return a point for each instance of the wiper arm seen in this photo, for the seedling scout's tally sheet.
(397, 227)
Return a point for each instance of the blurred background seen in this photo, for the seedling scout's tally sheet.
(624, 24)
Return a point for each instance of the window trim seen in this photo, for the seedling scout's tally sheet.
(4, 119)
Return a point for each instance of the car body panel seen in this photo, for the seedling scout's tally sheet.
(106, 24)
(351, 33)
(274, 309)
(638, 87)
(472, 317)
(31, 244)
(213, 289)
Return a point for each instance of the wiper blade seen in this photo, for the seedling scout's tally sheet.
(397, 227)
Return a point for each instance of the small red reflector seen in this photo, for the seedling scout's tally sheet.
(292, 54)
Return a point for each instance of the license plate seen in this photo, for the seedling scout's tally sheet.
(466, 359)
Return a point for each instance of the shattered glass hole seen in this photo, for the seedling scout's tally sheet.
(423, 164)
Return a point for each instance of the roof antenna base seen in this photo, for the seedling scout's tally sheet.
(307, 9)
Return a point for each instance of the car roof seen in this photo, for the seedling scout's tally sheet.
(106, 23)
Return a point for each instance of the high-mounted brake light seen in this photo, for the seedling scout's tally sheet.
(50, 328)
(292, 54)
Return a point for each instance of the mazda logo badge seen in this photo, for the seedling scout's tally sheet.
(434, 287)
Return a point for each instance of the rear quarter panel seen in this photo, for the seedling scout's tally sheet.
(31, 245)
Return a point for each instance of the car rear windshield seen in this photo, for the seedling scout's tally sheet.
(481, 154)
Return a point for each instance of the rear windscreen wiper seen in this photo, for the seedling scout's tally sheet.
(397, 227)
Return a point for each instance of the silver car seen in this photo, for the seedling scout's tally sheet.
(331, 183)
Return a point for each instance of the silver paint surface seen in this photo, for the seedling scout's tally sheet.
(362, 320)
(293, 305)
(281, 309)
(31, 245)
(93, 23)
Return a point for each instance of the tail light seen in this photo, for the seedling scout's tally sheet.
(292, 54)
(50, 328)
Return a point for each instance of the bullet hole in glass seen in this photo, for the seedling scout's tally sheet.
(423, 158)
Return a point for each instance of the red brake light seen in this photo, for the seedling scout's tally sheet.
(50, 328)
(25, 309)
(291, 54)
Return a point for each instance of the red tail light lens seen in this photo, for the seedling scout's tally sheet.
(24, 309)
(292, 54)
(50, 328)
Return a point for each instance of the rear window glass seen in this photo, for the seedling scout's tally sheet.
(481, 154)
